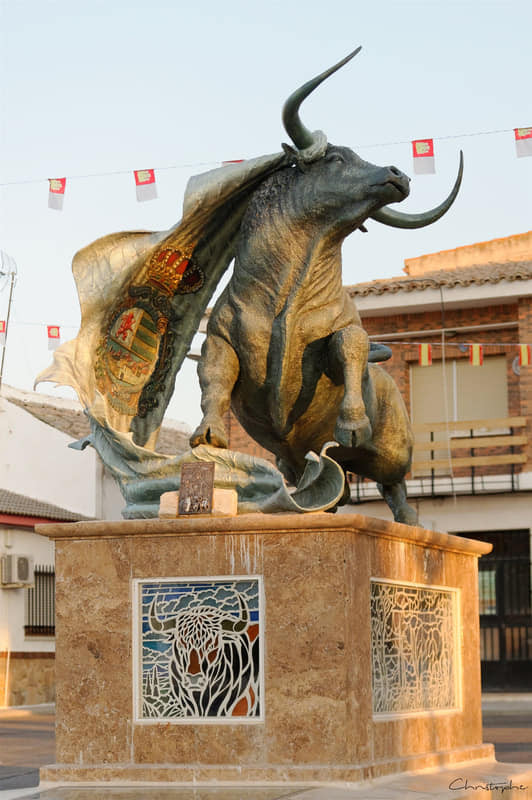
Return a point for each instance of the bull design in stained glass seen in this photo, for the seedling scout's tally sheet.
(415, 655)
(201, 649)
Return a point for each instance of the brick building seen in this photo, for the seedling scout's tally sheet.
(472, 466)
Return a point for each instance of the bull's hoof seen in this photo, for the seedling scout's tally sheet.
(407, 515)
(353, 434)
(209, 433)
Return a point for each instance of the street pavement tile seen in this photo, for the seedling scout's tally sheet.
(166, 793)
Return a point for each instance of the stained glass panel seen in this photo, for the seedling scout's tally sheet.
(414, 658)
(199, 649)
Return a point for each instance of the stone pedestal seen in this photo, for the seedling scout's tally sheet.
(368, 630)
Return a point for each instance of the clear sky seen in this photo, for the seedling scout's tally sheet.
(109, 86)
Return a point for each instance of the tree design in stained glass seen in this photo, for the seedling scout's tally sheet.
(414, 666)
(200, 643)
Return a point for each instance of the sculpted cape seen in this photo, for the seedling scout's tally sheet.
(142, 295)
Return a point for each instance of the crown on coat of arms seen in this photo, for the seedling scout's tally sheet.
(166, 269)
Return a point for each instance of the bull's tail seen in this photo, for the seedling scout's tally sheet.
(293, 370)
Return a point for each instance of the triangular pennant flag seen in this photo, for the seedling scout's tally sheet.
(425, 355)
(423, 152)
(233, 161)
(524, 355)
(476, 355)
(3, 332)
(54, 337)
(523, 142)
(56, 193)
(145, 184)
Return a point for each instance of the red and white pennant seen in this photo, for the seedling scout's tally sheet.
(523, 142)
(423, 153)
(56, 193)
(54, 336)
(145, 184)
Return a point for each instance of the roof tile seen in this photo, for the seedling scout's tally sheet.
(462, 276)
(13, 503)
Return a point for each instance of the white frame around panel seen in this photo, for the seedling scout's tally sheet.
(136, 643)
(458, 678)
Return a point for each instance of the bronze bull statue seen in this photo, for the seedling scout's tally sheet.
(285, 348)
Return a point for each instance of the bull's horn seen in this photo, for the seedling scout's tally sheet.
(155, 622)
(237, 626)
(300, 135)
(398, 219)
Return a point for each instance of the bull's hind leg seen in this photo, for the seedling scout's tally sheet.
(395, 496)
(349, 349)
(218, 372)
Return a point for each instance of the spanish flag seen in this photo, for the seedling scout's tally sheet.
(476, 356)
(524, 355)
(425, 355)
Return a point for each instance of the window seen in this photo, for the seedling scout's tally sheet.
(40, 603)
(460, 392)
(456, 392)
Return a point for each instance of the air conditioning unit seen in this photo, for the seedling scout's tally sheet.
(17, 571)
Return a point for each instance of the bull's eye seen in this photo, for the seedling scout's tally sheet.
(211, 655)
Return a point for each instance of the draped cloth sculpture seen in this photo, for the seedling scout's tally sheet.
(285, 345)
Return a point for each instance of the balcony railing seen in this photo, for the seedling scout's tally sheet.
(466, 457)
(469, 448)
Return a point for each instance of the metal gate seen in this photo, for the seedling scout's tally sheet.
(505, 611)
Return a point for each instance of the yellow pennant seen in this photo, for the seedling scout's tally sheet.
(524, 355)
(476, 356)
(425, 355)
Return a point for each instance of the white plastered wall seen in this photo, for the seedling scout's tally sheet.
(37, 462)
(17, 541)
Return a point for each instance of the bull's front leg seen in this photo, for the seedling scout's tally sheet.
(349, 349)
(218, 371)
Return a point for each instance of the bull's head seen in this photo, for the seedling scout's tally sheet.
(199, 634)
(371, 187)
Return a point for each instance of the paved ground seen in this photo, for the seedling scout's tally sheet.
(507, 722)
(27, 742)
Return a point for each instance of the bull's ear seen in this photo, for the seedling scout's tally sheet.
(290, 153)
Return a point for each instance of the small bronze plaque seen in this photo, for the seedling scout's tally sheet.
(197, 485)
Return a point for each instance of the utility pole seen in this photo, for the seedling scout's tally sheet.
(12, 275)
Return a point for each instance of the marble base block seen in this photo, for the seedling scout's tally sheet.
(370, 649)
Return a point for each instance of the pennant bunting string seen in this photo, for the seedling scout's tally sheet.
(423, 152)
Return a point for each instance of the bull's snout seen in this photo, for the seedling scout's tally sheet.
(194, 666)
(392, 175)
